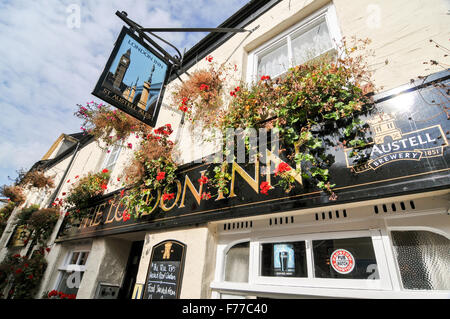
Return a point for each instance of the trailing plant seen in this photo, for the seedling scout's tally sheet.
(152, 169)
(108, 125)
(42, 223)
(5, 213)
(38, 179)
(204, 93)
(84, 191)
(14, 193)
(25, 274)
(315, 107)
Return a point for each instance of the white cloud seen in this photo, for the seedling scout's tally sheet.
(46, 68)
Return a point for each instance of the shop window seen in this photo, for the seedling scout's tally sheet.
(311, 38)
(284, 259)
(350, 258)
(237, 263)
(423, 259)
(72, 271)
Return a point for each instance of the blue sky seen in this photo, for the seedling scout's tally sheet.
(50, 60)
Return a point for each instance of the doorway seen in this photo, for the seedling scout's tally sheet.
(131, 271)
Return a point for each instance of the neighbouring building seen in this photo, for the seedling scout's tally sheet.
(386, 236)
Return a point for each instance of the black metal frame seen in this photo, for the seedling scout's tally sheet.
(176, 61)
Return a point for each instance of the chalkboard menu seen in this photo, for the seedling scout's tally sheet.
(165, 270)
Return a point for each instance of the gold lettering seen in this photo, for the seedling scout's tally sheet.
(156, 203)
(188, 183)
(113, 204)
(98, 214)
(163, 205)
(254, 183)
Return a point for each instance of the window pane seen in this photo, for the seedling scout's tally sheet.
(350, 258)
(423, 258)
(310, 44)
(83, 258)
(70, 282)
(236, 263)
(284, 259)
(74, 259)
(112, 157)
(274, 62)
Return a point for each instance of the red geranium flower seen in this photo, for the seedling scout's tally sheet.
(203, 180)
(161, 176)
(206, 196)
(265, 187)
(209, 58)
(105, 171)
(232, 93)
(126, 216)
(204, 87)
(104, 186)
(122, 192)
(265, 77)
(167, 196)
(30, 277)
(282, 167)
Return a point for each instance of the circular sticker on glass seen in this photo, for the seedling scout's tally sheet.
(342, 261)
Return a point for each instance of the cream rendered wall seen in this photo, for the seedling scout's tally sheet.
(106, 264)
(199, 263)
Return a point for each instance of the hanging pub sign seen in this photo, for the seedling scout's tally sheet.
(134, 78)
(165, 271)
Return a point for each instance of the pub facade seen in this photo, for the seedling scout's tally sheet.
(386, 233)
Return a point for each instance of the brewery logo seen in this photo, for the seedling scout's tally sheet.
(391, 144)
(342, 261)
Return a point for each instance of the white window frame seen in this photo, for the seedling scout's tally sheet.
(328, 13)
(280, 283)
(109, 155)
(67, 267)
(383, 283)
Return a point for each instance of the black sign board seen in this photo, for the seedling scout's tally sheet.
(165, 271)
(410, 154)
(134, 78)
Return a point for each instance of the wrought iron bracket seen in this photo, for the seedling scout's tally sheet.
(176, 61)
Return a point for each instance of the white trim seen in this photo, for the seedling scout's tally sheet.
(382, 283)
(326, 13)
(293, 291)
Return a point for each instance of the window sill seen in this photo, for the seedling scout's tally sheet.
(299, 291)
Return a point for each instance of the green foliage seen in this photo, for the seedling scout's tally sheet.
(5, 213)
(315, 107)
(84, 191)
(24, 273)
(152, 171)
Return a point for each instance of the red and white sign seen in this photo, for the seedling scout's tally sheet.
(342, 261)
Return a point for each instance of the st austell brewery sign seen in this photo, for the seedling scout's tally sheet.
(134, 78)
